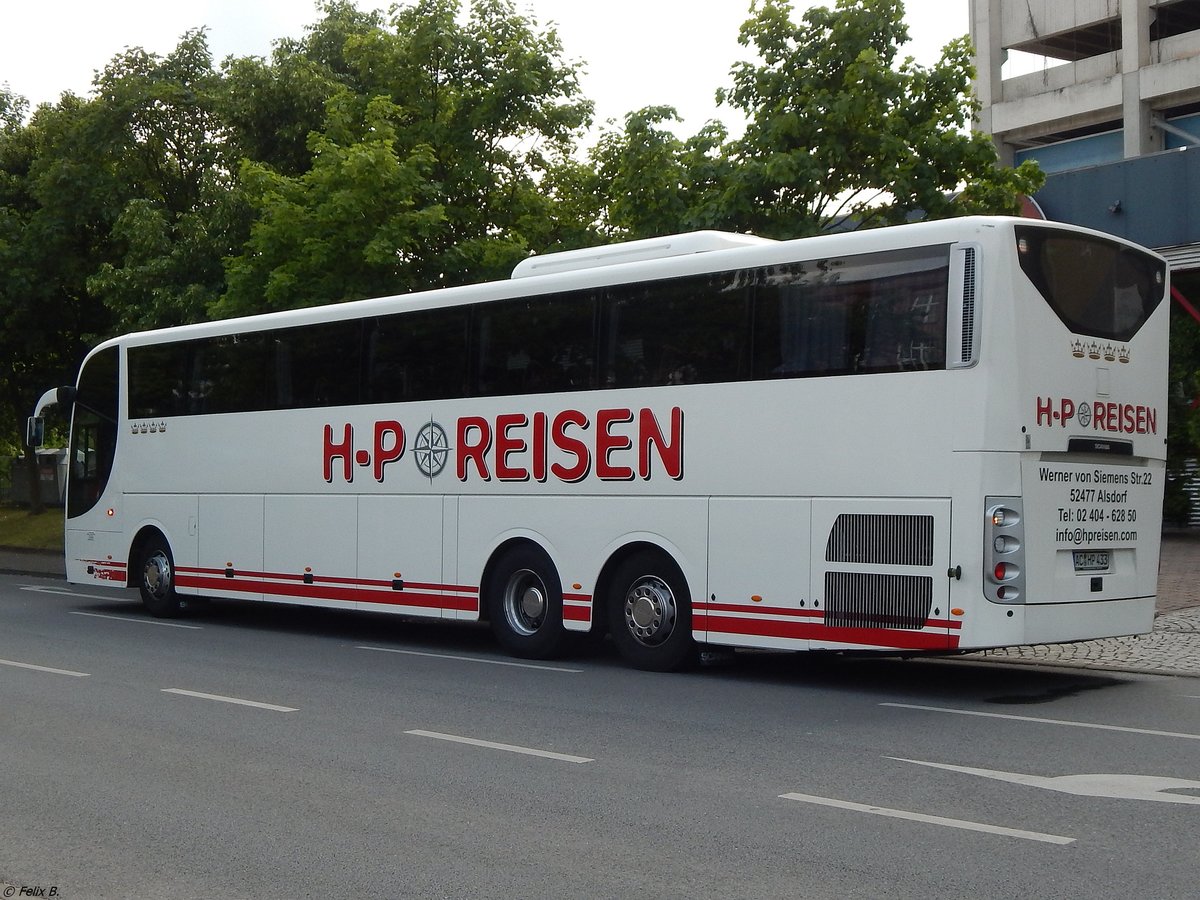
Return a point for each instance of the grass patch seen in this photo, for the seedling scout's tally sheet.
(18, 528)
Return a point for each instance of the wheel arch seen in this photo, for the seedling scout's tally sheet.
(616, 557)
(497, 553)
(145, 533)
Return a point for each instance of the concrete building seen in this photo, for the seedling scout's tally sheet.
(1112, 115)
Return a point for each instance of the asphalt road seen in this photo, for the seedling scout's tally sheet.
(275, 752)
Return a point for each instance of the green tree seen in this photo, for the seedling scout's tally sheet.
(840, 132)
(354, 225)
(52, 210)
(158, 124)
(656, 183)
(271, 107)
(428, 165)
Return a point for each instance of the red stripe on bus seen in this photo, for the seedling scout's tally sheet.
(802, 613)
(760, 610)
(103, 562)
(577, 607)
(326, 579)
(332, 593)
(873, 637)
(456, 588)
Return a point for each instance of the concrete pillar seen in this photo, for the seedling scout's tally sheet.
(985, 22)
(1141, 136)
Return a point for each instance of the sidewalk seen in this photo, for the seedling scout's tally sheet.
(1173, 648)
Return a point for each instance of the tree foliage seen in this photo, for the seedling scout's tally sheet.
(161, 130)
(427, 166)
(51, 209)
(840, 132)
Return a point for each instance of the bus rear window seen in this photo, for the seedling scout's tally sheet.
(1096, 287)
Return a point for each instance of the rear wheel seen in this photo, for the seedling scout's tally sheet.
(524, 598)
(650, 613)
(157, 581)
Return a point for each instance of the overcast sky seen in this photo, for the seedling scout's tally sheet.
(637, 52)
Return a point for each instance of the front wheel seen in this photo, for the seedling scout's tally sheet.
(524, 598)
(650, 613)
(157, 583)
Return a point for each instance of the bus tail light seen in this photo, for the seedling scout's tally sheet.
(1004, 550)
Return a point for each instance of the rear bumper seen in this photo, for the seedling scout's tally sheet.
(1055, 623)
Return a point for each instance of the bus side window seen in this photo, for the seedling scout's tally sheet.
(878, 312)
(802, 326)
(316, 365)
(535, 345)
(691, 330)
(417, 355)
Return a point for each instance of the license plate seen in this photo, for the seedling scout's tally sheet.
(1091, 560)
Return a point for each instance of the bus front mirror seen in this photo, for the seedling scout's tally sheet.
(35, 432)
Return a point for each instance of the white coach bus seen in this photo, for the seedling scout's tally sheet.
(935, 437)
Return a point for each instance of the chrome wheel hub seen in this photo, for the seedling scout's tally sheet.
(525, 602)
(650, 610)
(156, 575)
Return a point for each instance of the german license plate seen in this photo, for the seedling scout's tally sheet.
(1091, 560)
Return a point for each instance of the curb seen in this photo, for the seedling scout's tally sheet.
(32, 563)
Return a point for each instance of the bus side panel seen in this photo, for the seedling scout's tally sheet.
(585, 532)
(758, 573)
(96, 557)
(309, 550)
(400, 565)
(230, 547)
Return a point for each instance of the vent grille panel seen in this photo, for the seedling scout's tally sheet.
(968, 307)
(885, 540)
(861, 600)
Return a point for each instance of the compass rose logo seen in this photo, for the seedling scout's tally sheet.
(431, 448)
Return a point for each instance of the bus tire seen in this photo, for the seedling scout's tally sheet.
(524, 599)
(650, 613)
(156, 579)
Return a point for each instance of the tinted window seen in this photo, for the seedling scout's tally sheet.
(1096, 287)
(682, 331)
(534, 345)
(881, 312)
(419, 355)
(158, 380)
(315, 365)
(878, 312)
(232, 373)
